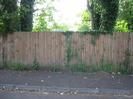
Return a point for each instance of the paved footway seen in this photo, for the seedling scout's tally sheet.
(49, 85)
(15, 95)
(69, 80)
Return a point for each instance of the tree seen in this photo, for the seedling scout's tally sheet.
(95, 10)
(60, 27)
(26, 12)
(126, 12)
(109, 14)
(44, 20)
(8, 16)
(103, 14)
(85, 24)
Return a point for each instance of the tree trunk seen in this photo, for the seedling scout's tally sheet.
(105, 18)
(95, 21)
(95, 16)
(109, 14)
(130, 25)
(26, 15)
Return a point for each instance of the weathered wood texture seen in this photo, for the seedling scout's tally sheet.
(51, 48)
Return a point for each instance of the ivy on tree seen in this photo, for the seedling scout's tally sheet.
(103, 14)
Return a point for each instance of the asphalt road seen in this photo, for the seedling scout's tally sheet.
(16, 95)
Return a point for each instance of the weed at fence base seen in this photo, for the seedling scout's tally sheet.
(82, 67)
(16, 66)
(35, 65)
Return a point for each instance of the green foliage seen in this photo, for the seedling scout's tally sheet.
(35, 65)
(8, 17)
(14, 18)
(108, 68)
(16, 66)
(121, 26)
(42, 24)
(84, 25)
(79, 68)
(60, 27)
(109, 14)
(69, 51)
(94, 33)
(2, 27)
(68, 34)
(103, 14)
(95, 9)
(103, 67)
(126, 12)
(44, 21)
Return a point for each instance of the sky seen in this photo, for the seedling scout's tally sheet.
(69, 11)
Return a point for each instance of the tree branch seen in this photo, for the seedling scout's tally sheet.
(89, 6)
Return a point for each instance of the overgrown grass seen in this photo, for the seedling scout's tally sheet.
(73, 68)
(104, 67)
(21, 67)
(16, 66)
(78, 68)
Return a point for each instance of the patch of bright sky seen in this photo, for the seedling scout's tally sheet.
(69, 12)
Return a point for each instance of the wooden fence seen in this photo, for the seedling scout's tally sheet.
(61, 49)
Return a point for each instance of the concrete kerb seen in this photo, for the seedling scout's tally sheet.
(62, 90)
